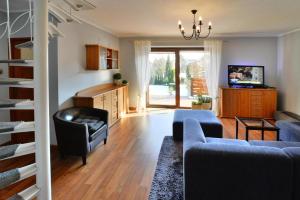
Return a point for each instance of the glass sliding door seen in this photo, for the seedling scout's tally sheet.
(177, 77)
(162, 87)
(191, 76)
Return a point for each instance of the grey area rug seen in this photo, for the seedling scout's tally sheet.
(167, 183)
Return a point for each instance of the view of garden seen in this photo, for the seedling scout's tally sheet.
(162, 84)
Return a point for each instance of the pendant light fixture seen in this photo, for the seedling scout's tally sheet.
(197, 28)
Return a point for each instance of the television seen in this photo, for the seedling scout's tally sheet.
(245, 75)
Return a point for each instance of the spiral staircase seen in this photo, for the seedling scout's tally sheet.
(42, 27)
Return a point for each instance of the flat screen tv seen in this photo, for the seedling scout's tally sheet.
(245, 75)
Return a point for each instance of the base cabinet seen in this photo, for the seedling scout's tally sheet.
(112, 98)
(248, 102)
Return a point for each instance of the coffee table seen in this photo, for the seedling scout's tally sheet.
(255, 124)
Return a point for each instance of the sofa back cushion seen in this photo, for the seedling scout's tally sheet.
(214, 171)
(192, 130)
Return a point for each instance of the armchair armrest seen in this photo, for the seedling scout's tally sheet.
(213, 171)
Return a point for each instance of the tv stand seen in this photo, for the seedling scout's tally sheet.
(248, 102)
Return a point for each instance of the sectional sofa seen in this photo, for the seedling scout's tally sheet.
(226, 169)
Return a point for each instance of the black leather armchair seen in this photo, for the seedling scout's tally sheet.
(80, 130)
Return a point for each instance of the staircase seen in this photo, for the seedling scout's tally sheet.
(43, 29)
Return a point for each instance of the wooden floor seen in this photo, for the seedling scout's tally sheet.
(123, 168)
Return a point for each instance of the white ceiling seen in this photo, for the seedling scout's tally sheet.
(159, 17)
(229, 17)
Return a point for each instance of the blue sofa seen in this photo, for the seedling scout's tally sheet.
(289, 124)
(227, 169)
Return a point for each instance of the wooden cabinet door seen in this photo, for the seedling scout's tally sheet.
(242, 99)
(270, 103)
(98, 102)
(107, 105)
(120, 102)
(126, 99)
(256, 104)
(229, 103)
(114, 106)
(92, 57)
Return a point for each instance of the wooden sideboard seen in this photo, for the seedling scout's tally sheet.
(109, 97)
(248, 102)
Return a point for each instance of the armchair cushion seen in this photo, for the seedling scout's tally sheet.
(92, 122)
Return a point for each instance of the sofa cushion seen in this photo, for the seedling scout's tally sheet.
(93, 123)
(210, 124)
(227, 141)
(277, 144)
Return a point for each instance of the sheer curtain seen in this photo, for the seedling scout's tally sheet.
(142, 51)
(213, 49)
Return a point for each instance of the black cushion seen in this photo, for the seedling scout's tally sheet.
(92, 122)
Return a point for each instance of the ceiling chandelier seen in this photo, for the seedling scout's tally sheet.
(197, 28)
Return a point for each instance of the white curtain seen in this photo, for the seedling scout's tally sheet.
(142, 51)
(213, 55)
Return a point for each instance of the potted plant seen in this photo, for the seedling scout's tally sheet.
(117, 78)
(124, 82)
(202, 102)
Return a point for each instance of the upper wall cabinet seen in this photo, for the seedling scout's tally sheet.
(99, 57)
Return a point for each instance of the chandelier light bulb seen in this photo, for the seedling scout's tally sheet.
(182, 29)
(200, 18)
(179, 22)
(209, 24)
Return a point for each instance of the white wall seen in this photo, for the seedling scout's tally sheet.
(250, 51)
(288, 74)
(72, 75)
(254, 51)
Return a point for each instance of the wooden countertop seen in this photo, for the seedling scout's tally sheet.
(97, 90)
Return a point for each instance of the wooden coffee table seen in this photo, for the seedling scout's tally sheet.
(255, 124)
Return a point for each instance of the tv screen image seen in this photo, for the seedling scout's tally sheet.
(245, 75)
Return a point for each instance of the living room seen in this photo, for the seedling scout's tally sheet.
(134, 103)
